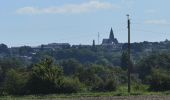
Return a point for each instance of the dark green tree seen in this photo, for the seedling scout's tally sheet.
(46, 77)
(4, 49)
(71, 66)
(15, 82)
(25, 50)
(71, 85)
(124, 60)
(159, 80)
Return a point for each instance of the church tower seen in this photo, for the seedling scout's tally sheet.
(111, 37)
(111, 41)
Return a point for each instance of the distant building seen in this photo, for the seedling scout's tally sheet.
(58, 45)
(111, 41)
(54, 46)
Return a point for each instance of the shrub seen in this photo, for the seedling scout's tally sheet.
(159, 80)
(71, 85)
(15, 83)
(99, 85)
(108, 86)
(45, 78)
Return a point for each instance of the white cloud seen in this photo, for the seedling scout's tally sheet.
(158, 22)
(92, 5)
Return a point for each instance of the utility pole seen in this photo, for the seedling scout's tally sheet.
(129, 60)
(98, 38)
(93, 43)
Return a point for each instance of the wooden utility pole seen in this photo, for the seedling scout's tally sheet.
(129, 60)
(98, 38)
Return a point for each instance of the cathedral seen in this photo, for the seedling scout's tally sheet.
(111, 41)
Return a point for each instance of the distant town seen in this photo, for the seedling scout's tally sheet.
(98, 67)
(110, 44)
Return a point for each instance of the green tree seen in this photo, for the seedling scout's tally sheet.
(108, 85)
(46, 77)
(159, 80)
(71, 66)
(145, 65)
(88, 76)
(15, 82)
(25, 50)
(124, 60)
(71, 85)
(4, 49)
(6, 64)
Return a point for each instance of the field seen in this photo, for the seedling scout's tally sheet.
(95, 96)
(121, 94)
(98, 98)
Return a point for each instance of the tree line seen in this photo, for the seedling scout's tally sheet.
(71, 76)
(84, 69)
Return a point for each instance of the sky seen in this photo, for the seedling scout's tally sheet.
(36, 22)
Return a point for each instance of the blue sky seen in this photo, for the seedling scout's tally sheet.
(35, 22)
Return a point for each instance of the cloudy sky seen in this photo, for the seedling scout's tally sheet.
(35, 22)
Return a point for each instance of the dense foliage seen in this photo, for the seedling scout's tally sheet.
(82, 69)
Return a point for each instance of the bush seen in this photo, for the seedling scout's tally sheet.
(15, 83)
(71, 85)
(108, 86)
(45, 78)
(138, 87)
(39, 86)
(159, 80)
(159, 60)
(98, 86)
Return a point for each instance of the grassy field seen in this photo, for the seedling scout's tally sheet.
(95, 96)
(99, 98)
(138, 93)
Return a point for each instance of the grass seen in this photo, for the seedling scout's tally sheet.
(82, 95)
(78, 95)
(121, 91)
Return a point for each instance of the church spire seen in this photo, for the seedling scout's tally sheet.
(111, 34)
